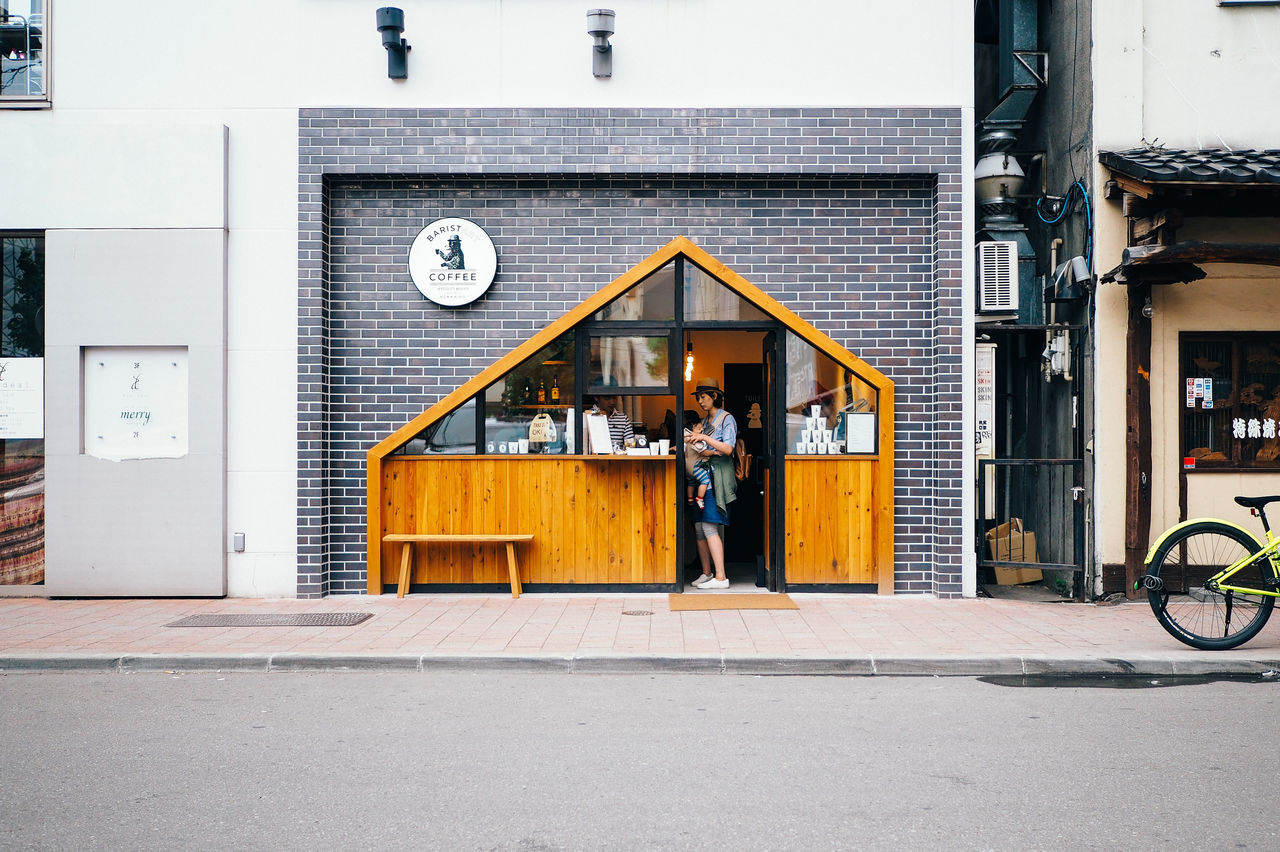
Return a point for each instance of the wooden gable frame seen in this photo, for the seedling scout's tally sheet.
(583, 311)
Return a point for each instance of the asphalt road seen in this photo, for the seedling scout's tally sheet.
(365, 760)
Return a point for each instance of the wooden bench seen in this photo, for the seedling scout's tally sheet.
(409, 539)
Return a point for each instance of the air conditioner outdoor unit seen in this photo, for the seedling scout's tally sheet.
(998, 276)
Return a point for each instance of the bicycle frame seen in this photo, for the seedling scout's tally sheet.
(1271, 550)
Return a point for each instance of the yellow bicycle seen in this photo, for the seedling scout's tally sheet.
(1211, 583)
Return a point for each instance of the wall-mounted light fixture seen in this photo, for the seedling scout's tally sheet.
(1148, 310)
(1070, 281)
(600, 27)
(391, 25)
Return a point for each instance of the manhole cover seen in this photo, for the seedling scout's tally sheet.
(637, 612)
(302, 619)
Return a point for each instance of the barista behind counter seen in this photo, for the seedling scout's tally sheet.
(620, 430)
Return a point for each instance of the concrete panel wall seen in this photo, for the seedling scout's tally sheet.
(74, 174)
(140, 526)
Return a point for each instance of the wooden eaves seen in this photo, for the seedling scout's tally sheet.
(1158, 264)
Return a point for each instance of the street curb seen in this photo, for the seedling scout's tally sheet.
(719, 664)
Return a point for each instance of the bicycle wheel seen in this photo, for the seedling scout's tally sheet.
(1200, 617)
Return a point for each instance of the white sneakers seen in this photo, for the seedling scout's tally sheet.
(707, 581)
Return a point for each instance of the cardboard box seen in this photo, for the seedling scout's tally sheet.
(1009, 542)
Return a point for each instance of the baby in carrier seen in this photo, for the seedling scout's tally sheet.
(699, 469)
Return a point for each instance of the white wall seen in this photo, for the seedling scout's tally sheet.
(665, 53)
(1188, 73)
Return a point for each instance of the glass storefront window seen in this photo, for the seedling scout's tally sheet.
(651, 418)
(453, 433)
(652, 300)
(22, 440)
(628, 362)
(830, 409)
(22, 50)
(531, 403)
(705, 298)
(1230, 400)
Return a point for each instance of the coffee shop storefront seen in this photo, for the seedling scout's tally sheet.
(826, 275)
(512, 452)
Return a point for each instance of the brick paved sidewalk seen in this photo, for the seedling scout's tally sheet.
(829, 633)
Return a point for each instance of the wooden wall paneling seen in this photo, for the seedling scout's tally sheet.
(865, 544)
(832, 522)
(605, 556)
(650, 525)
(633, 530)
(558, 478)
(841, 522)
(796, 501)
(535, 511)
(538, 513)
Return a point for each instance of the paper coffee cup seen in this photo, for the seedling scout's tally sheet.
(802, 447)
(812, 448)
(815, 411)
(664, 446)
(524, 445)
(832, 448)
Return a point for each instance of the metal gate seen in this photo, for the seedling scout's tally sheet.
(1031, 515)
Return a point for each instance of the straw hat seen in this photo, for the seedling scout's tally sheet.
(707, 385)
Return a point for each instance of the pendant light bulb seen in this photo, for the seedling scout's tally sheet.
(688, 364)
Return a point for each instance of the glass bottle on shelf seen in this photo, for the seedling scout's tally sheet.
(542, 392)
(528, 393)
(555, 389)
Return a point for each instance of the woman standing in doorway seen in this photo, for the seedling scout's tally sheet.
(718, 431)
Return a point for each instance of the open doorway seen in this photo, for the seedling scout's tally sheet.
(735, 359)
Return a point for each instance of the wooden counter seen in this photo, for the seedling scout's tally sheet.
(592, 522)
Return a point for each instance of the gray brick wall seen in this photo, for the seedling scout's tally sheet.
(849, 217)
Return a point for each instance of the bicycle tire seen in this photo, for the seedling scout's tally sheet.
(1204, 619)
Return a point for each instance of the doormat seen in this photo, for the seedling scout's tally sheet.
(715, 600)
(301, 619)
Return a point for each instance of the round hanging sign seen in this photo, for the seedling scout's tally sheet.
(452, 261)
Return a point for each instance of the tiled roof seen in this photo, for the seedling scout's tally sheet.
(1209, 165)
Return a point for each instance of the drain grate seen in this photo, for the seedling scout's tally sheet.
(637, 612)
(302, 619)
